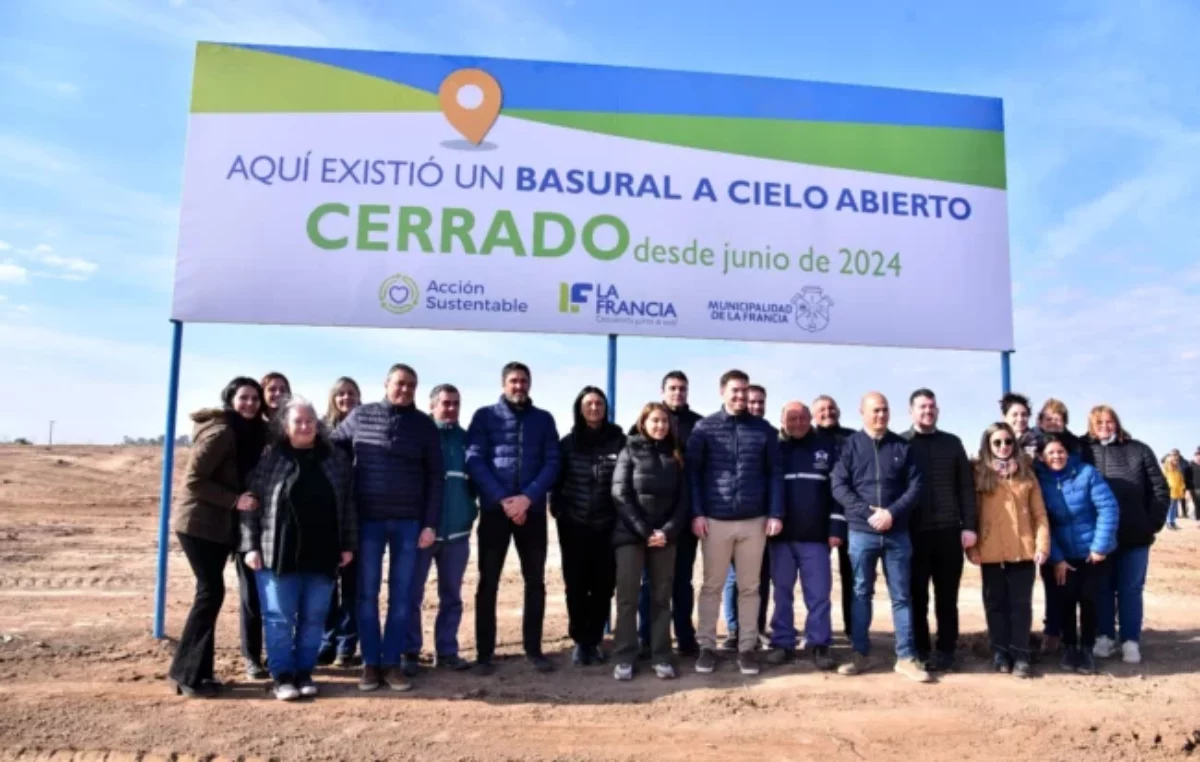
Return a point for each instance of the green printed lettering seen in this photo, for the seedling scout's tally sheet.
(503, 232)
(589, 237)
(414, 221)
(457, 223)
(314, 226)
(366, 227)
(539, 234)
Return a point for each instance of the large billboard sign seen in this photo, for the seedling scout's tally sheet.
(352, 188)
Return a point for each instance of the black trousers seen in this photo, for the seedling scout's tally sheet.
(193, 660)
(937, 558)
(1008, 603)
(589, 574)
(494, 533)
(1077, 601)
(659, 566)
(846, 580)
(250, 611)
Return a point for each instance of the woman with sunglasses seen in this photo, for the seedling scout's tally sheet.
(1014, 539)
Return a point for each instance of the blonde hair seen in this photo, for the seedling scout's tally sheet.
(1058, 407)
(332, 415)
(1099, 410)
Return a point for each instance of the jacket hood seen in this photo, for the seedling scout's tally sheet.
(208, 415)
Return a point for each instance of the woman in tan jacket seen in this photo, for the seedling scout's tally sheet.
(1014, 539)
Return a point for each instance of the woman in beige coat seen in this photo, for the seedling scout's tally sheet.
(1014, 540)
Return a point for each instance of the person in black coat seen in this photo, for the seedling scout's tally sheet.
(650, 492)
(582, 503)
(1131, 470)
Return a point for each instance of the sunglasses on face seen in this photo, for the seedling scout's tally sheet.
(1002, 443)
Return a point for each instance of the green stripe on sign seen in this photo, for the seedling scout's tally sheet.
(970, 157)
(235, 80)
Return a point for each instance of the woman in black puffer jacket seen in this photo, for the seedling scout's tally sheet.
(1132, 472)
(650, 491)
(583, 505)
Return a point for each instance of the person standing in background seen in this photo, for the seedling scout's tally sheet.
(827, 417)
(513, 457)
(1176, 488)
(1194, 485)
(341, 623)
(582, 504)
(451, 549)
(943, 526)
(1015, 410)
(1133, 474)
(1053, 419)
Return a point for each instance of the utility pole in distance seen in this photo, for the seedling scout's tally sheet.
(51, 439)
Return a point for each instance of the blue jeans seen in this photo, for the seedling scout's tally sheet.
(341, 623)
(1173, 512)
(399, 538)
(811, 561)
(1125, 584)
(451, 560)
(294, 608)
(895, 549)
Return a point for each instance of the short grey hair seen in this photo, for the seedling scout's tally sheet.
(298, 402)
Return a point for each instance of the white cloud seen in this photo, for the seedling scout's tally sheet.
(10, 272)
(30, 78)
(5, 245)
(60, 267)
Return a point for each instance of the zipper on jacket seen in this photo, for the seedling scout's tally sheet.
(878, 478)
(520, 452)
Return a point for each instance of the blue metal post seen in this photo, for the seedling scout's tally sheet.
(612, 377)
(164, 507)
(1006, 372)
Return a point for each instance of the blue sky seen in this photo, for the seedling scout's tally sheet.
(1102, 106)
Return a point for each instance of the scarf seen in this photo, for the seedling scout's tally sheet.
(1004, 468)
(250, 438)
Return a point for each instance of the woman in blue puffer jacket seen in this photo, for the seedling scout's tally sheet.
(1083, 516)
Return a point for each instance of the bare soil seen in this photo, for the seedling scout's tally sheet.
(81, 678)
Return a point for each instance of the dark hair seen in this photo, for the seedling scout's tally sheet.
(671, 440)
(401, 368)
(1009, 400)
(447, 388)
(275, 376)
(678, 375)
(231, 389)
(1048, 438)
(756, 388)
(515, 367)
(733, 375)
(577, 408)
(922, 392)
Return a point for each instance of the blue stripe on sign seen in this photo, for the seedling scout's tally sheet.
(539, 85)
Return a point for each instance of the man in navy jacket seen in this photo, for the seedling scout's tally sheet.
(513, 458)
(812, 523)
(877, 482)
(733, 469)
(398, 484)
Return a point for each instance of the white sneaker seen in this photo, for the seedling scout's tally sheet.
(286, 692)
(1105, 648)
(1131, 653)
(623, 672)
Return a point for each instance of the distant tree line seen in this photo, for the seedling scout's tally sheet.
(180, 441)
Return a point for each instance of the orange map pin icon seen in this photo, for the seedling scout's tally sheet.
(471, 99)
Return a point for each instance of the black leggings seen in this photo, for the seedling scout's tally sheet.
(193, 662)
(1079, 596)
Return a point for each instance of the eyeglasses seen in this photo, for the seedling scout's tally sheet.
(1002, 443)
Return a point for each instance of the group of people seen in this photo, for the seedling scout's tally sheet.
(308, 507)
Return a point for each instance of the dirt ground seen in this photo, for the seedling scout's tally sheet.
(81, 678)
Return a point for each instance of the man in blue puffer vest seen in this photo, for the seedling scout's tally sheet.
(812, 524)
(877, 482)
(398, 483)
(452, 549)
(513, 458)
(733, 470)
